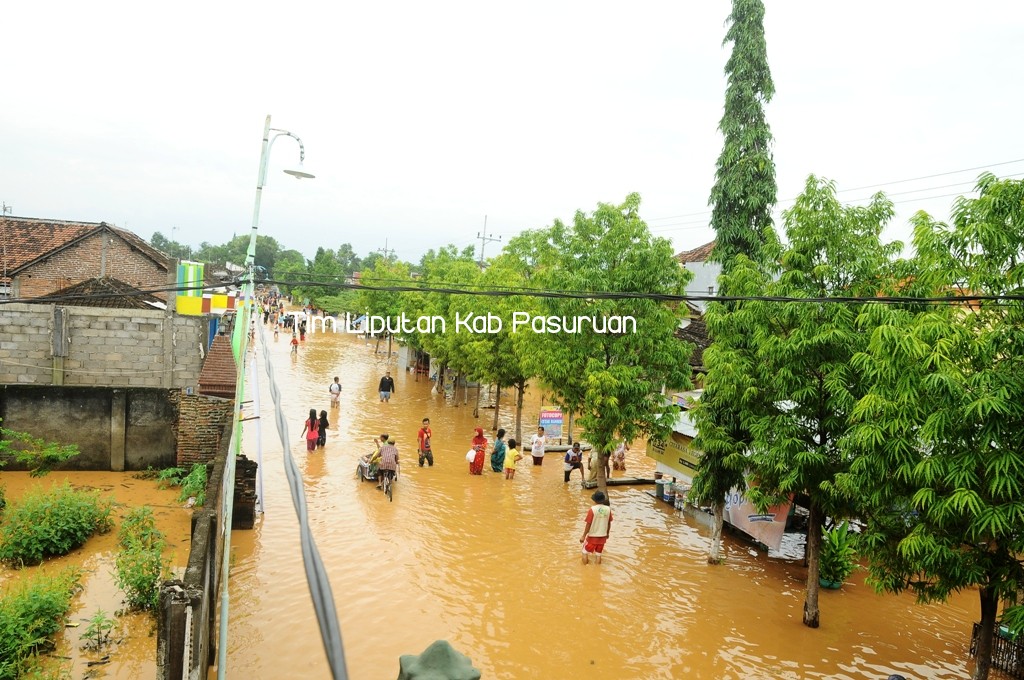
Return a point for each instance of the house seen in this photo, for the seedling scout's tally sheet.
(102, 292)
(705, 273)
(39, 257)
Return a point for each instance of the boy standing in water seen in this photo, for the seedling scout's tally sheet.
(424, 436)
(335, 390)
(599, 524)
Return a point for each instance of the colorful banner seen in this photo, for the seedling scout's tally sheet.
(551, 421)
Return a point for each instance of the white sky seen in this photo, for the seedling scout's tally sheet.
(420, 118)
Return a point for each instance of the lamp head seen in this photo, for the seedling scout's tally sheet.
(299, 173)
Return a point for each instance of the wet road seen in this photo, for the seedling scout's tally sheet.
(493, 565)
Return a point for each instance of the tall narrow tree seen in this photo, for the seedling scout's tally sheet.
(741, 201)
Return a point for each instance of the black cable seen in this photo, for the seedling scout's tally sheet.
(316, 573)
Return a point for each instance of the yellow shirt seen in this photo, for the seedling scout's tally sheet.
(510, 459)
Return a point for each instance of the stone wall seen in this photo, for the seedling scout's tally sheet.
(58, 345)
(86, 260)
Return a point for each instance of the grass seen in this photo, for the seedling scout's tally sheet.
(192, 481)
(30, 614)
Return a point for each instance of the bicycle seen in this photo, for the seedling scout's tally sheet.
(386, 483)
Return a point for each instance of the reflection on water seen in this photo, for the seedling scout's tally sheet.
(493, 565)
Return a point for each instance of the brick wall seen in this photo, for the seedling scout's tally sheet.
(84, 260)
(106, 347)
(201, 427)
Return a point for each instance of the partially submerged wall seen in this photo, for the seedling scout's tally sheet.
(119, 429)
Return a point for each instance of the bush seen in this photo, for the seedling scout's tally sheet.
(29, 614)
(140, 563)
(50, 523)
(192, 484)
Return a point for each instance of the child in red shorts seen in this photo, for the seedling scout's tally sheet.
(599, 524)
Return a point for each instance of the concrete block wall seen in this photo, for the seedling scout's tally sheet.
(106, 347)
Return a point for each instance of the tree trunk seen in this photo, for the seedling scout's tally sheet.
(476, 409)
(569, 430)
(465, 390)
(389, 346)
(718, 516)
(814, 522)
(497, 403)
(519, 413)
(602, 478)
(986, 632)
(376, 348)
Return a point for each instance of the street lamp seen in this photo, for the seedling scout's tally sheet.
(298, 173)
(240, 345)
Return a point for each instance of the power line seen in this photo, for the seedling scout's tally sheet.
(664, 227)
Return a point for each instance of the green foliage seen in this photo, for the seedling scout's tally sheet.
(171, 476)
(194, 485)
(939, 433)
(32, 611)
(745, 188)
(38, 455)
(191, 481)
(140, 563)
(50, 523)
(97, 633)
(838, 553)
(614, 380)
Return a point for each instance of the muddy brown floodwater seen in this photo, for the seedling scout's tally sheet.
(133, 654)
(493, 565)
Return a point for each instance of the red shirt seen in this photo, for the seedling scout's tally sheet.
(424, 436)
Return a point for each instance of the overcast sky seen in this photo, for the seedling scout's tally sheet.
(420, 118)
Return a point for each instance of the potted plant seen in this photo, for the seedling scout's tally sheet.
(837, 558)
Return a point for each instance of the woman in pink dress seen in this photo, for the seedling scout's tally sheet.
(476, 467)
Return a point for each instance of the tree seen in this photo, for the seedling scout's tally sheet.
(614, 379)
(290, 268)
(940, 432)
(741, 200)
(173, 249)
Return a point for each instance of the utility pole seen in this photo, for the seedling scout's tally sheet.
(484, 240)
(385, 251)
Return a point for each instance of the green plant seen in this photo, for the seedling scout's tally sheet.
(170, 477)
(194, 484)
(38, 455)
(52, 522)
(97, 634)
(31, 612)
(140, 563)
(838, 554)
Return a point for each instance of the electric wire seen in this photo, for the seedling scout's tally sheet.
(316, 573)
(665, 297)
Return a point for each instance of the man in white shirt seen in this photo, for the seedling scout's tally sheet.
(537, 446)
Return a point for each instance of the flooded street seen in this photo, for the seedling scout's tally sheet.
(493, 565)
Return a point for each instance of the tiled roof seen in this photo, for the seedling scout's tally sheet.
(218, 376)
(697, 333)
(700, 254)
(27, 239)
(103, 292)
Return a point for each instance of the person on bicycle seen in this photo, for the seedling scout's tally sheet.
(388, 460)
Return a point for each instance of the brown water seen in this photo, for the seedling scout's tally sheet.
(134, 653)
(493, 565)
